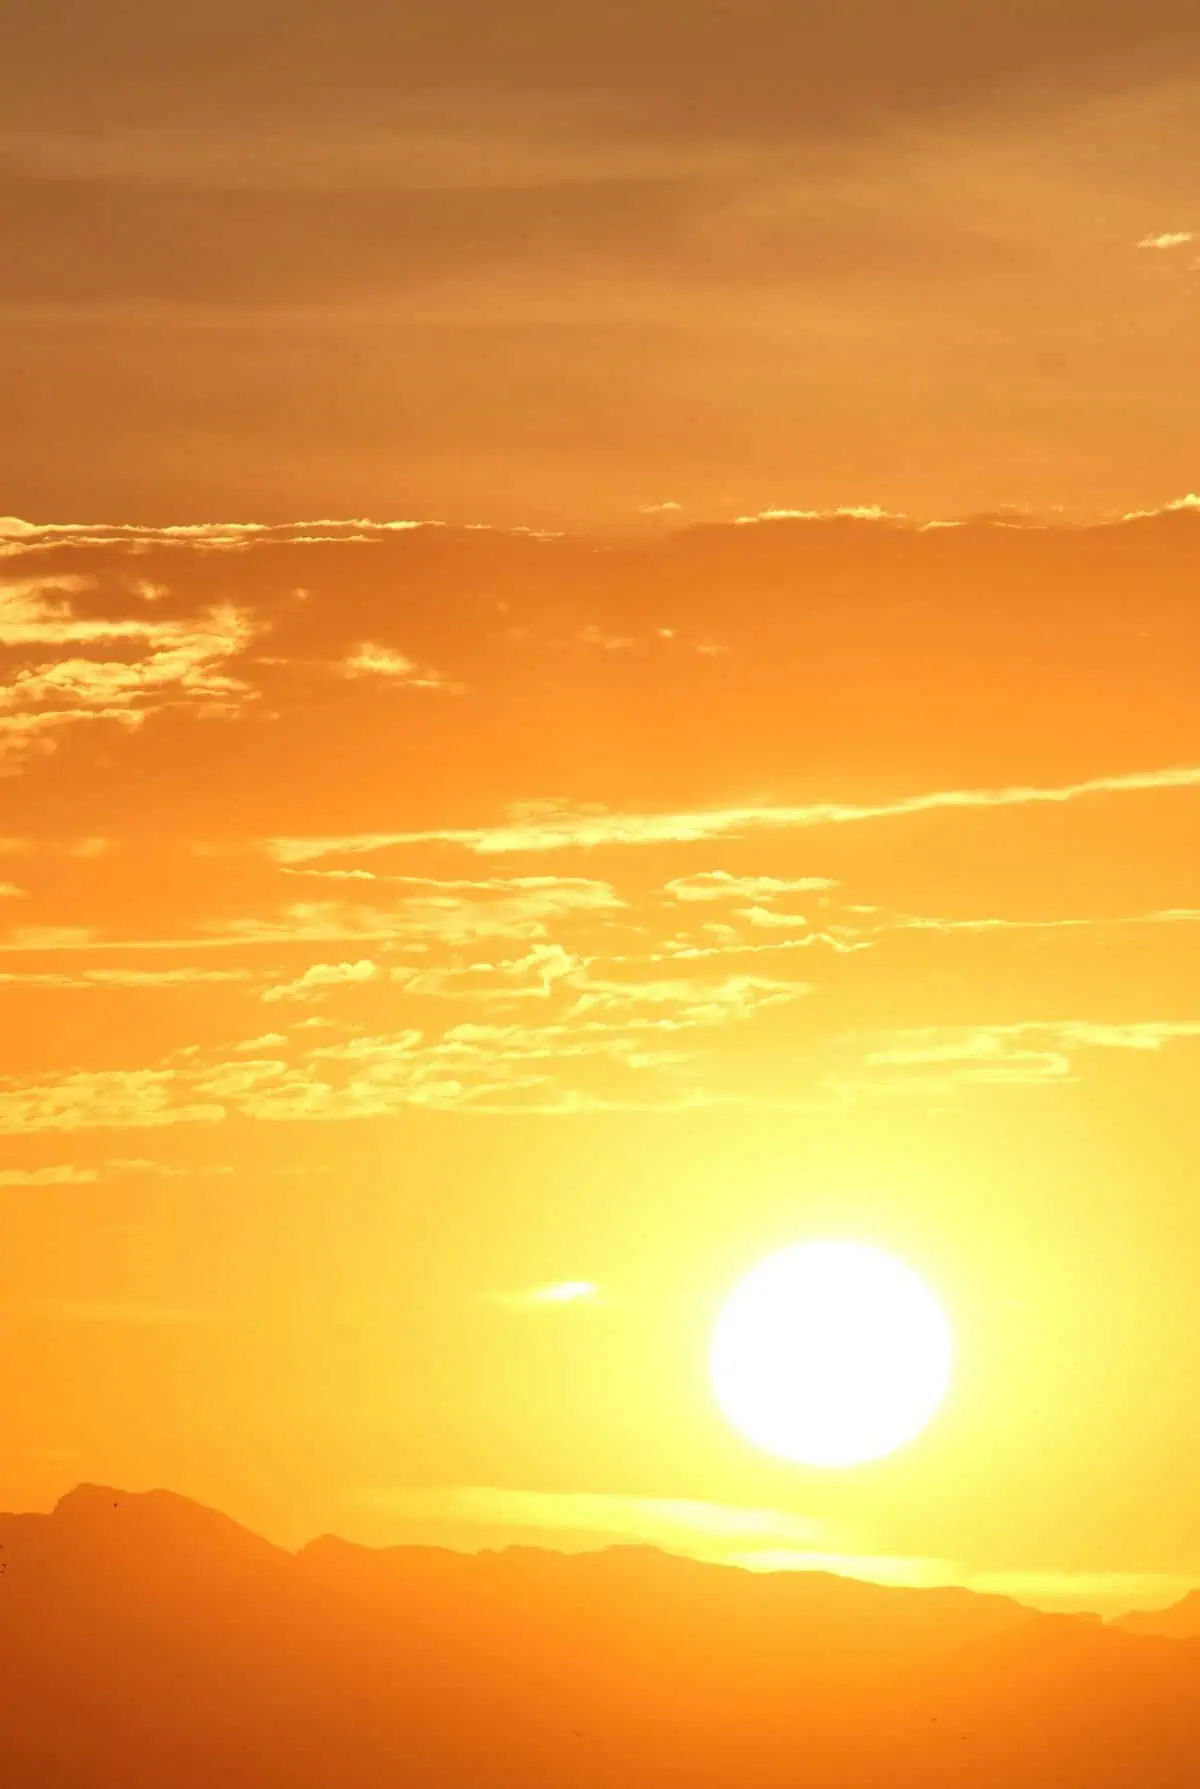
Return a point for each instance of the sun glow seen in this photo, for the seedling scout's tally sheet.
(831, 1353)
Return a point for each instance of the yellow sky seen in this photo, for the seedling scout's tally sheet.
(436, 964)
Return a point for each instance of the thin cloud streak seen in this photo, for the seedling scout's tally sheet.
(576, 831)
(550, 1298)
(53, 1176)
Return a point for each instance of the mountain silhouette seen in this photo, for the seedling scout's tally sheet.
(146, 1640)
(1180, 1621)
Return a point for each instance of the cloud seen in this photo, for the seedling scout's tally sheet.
(19, 537)
(586, 831)
(688, 1001)
(34, 612)
(854, 512)
(99, 1099)
(934, 1044)
(318, 979)
(536, 974)
(165, 1170)
(1167, 916)
(601, 1038)
(933, 1059)
(517, 909)
(766, 919)
(562, 1292)
(25, 736)
(1168, 239)
(384, 664)
(91, 979)
(981, 1057)
(56, 1176)
(49, 938)
(720, 885)
(176, 662)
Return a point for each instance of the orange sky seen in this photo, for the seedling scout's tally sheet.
(398, 922)
(682, 841)
(546, 264)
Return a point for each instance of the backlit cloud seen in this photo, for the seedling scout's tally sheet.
(578, 831)
(52, 1176)
(162, 663)
(385, 664)
(320, 977)
(720, 885)
(100, 1099)
(561, 1292)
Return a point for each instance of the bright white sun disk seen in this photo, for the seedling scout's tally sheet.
(831, 1353)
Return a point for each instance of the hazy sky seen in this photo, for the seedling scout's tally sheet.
(436, 961)
(542, 264)
(397, 923)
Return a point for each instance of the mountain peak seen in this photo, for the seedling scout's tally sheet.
(162, 1519)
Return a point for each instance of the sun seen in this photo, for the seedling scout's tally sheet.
(831, 1353)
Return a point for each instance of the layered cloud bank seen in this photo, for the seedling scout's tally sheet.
(488, 822)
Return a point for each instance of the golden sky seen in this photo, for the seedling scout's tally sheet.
(398, 924)
(742, 787)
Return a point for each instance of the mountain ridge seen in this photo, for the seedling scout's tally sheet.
(187, 1649)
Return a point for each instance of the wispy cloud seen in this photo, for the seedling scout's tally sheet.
(52, 1176)
(1166, 916)
(100, 1099)
(19, 537)
(320, 978)
(720, 885)
(1031, 1052)
(175, 662)
(854, 512)
(166, 1170)
(517, 909)
(567, 830)
(552, 1297)
(384, 664)
(689, 1001)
